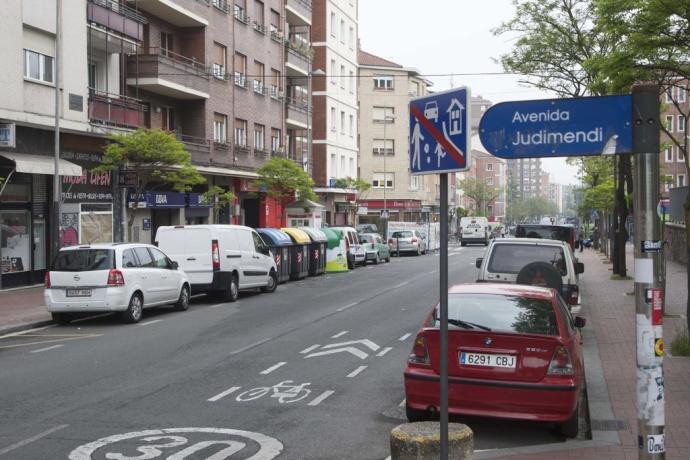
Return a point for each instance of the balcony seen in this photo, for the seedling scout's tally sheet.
(164, 72)
(117, 17)
(298, 12)
(298, 59)
(198, 148)
(297, 113)
(172, 12)
(116, 110)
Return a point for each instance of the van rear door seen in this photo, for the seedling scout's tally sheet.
(190, 247)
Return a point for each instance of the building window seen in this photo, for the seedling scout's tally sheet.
(414, 182)
(38, 66)
(240, 132)
(489, 181)
(383, 146)
(383, 82)
(352, 125)
(680, 94)
(352, 168)
(220, 128)
(342, 122)
(276, 88)
(489, 166)
(681, 156)
(259, 137)
(351, 38)
(342, 77)
(334, 166)
(681, 124)
(167, 44)
(342, 31)
(333, 24)
(259, 77)
(669, 123)
(668, 182)
(333, 121)
(414, 89)
(275, 21)
(333, 71)
(383, 114)
(352, 82)
(669, 94)
(275, 139)
(219, 60)
(168, 119)
(381, 180)
(342, 165)
(489, 209)
(681, 180)
(241, 70)
(668, 152)
(259, 12)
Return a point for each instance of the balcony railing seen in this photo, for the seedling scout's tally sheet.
(298, 11)
(241, 79)
(161, 64)
(116, 110)
(241, 15)
(261, 28)
(259, 87)
(117, 17)
(198, 147)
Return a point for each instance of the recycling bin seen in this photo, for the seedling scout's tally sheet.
(280, 243)
(299, 253)
(336, 251)
(317, 250)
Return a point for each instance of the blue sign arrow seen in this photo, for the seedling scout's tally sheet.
(440, 132)
(558, 127)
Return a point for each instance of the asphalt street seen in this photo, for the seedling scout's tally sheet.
(312, 371)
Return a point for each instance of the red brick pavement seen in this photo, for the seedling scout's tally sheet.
(21, 308)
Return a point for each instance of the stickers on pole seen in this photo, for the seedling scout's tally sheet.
(650, 396)
(656, 444)
(655, 297)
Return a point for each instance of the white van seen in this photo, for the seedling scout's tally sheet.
(220, 258)
(474, 230)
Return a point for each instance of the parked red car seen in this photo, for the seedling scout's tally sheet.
(514, 352)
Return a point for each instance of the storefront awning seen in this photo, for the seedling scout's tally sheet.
(40, 164)
(217, 171)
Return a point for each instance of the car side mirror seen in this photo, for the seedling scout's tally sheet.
(580, 322)
(579, 268)
(478, 262)
(174, 265)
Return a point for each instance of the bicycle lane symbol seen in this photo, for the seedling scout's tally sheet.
(286, 392)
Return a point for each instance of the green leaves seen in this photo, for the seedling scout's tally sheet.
(281, 178)
(479, 192)
(357, 184)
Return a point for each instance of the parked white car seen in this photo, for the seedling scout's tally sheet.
(474, 230)
(221, 259)
(113, 277)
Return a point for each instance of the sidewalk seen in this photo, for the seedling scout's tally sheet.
(609, 307)
(21, 309)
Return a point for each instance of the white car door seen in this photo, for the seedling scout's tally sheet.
(169, 281)
(150, 284)
(265, 261)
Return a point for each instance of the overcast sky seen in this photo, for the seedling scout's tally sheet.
(446, 40)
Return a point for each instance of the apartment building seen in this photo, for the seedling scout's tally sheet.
(385, 89)
(672, 161)
(335, 148)
(229, 79)
(491, 171)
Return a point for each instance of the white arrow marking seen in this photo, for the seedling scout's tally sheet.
(272, 368)
(307, 350)
(384, 351)
(365, 342)
(404, 337)
(223, 394)
(358, 353)
(339, 334)
(356, 372)
(319, 399)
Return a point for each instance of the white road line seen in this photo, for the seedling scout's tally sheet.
(384, 351)
(339, 334)
(248, 347)
(356, 372)
(150, 322)
(29, 331)
(223, 394)
(432, 272)
(451, 254)
(46, 348)
(272, 368)
(31, 439)
(319, 399)
(402, 403)
(347, 306)
(307, 350)
(217, 305)
(404, 337)
(400, 285)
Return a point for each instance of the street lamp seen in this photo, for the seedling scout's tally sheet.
(386, 119)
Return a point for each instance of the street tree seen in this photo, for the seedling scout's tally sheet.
(158, 159)
(284, 180)
(560, 47)
(655, 47)
(219, 199)
(360, 187)
(532, 209)
(480, 193)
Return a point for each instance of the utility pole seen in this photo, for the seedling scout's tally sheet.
(57, 182)
(649, 276)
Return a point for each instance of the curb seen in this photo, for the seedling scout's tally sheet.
(24, 327)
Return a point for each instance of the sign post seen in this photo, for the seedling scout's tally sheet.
(440, 143)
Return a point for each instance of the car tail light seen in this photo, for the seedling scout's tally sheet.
(574, 295)
(115, 278)
(561, 362)
(215, 255)
(413, 240)
(46, 280)
(391, 242)
(420, 352)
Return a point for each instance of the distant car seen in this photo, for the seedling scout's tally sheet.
(474, 230)
(355, 251)
(552, 232)
(367, 228)
(113, 277)
(431, 111)
(514, 352)
(407, 241)
(374, 248)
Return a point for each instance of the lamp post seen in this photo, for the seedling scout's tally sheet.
(385, 214)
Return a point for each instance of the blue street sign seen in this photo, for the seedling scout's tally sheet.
(558, 127)
(440, 132)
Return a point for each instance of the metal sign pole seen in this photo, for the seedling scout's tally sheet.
(444, 316)
(649, 282)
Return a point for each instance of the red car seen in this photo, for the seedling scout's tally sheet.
(514, 352)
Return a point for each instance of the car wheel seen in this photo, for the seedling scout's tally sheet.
(61, 318)
(419, 253)
(463, 244)
(233, 291)
(415, 415)
(135, 309)
(377, 260)
(272, 282)
(569, 429)
(183, 301)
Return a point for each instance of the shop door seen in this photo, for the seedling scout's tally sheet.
(39, 244)
(15, 247)
(251, 212)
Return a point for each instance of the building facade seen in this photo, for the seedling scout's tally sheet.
(672, 161)
(490, 171)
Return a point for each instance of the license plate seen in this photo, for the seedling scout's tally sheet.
(78, 292)
(488, 360)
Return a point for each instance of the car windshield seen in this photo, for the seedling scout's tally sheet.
(545, 232)
(404, 234)
(510, 258)
(83, 260)
(501, 313)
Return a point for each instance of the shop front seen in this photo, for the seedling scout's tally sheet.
(398, 211)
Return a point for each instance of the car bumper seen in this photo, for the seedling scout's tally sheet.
(554, 402)
(473, 239)
(114, 299)
(404, 247)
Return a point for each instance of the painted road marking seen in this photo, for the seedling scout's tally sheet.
(355, 351)
(307, 350)
(384, 351)
(26, 441)
(404, 337)
(64, 339)
(319, 399)
(223, 394)
(151, 441)
(339, 334)
(46, 349)
(272, 368)
(345, 347)
(400, 285)
(148, 323)
(249, 347)
(347, 306)
(356, 372)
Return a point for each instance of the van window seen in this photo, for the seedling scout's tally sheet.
(549, 232)
(510, 258)
(83, 260)
(258, 242)
(403, 234)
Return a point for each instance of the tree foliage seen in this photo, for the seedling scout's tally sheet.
(360, 187)
(282, 178)
(480, 193)
(532, 209)
(219, 199)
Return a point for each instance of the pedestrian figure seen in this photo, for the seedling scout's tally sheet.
(503, 232)
(581, 239)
